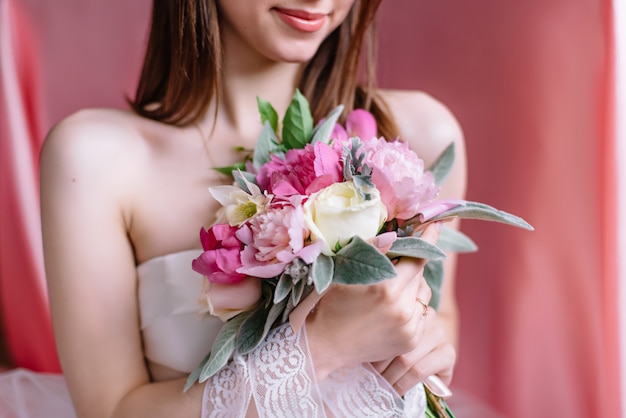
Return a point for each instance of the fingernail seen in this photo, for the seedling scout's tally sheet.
(438, 225)
(437, 387)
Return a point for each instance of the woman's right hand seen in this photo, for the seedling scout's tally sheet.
(367, 323)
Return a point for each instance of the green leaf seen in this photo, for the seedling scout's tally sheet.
(195, 375)
(223, 348)
(268, 113)
(266, 144)
(283, 287)
(255, 328)
(361, 263)
(474, 210)
(433, 274)
(442, 166)
(297, 292)
(415, 247)
(242, 178)
(322, 132)
(297, 123)
(251, 332)
(229, 169)
(451, 239)
(323, 273)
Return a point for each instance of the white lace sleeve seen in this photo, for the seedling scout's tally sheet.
(279, 376)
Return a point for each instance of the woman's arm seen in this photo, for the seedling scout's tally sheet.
(89, 171)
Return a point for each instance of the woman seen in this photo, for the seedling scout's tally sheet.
(125, 193)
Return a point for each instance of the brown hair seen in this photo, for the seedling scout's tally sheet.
(182, 67)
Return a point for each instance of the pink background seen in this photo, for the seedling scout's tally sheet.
(531, 84)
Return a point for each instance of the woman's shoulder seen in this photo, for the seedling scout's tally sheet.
(96, 126)
(96, 134)
(99, 146)
(426, 123)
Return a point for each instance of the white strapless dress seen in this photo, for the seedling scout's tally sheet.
(176, 339)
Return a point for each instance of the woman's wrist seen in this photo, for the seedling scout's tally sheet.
(323, 352)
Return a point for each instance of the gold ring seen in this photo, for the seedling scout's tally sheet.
(424, 304)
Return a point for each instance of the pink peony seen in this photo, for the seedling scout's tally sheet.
(273, 240)
(221, 257)
(399, 175)
(301, 172)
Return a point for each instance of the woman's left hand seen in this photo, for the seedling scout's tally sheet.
(434, 355)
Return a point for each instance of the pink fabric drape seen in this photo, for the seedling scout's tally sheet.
(22, 283)
(529, 82)
(55, 58)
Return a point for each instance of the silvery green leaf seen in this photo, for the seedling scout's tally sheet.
(322, 132)
(283, 287)
(290, 305)
(296, 293)
(275, 312)
(361, 263)
(451, 239)
(222, 350)
(297, 123)
(415, 247)
(474, 210)
(433, 274)
(323, 272)
(255, 328)
(442, 166)
(268, 113)
(195, 375)
(251, 331)
(266, 144)
(242, 178)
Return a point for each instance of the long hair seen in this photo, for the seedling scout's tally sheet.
(181, 72)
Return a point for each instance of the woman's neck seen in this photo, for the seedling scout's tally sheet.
(247, 75)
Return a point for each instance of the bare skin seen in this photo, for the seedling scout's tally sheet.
(119, 189)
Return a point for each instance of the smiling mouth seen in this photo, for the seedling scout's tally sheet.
(301, 20)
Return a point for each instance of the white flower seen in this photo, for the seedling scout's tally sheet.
(337, 213)
(238, 205)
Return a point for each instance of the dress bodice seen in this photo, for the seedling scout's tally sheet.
(175, 337)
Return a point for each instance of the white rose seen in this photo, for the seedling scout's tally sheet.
(337, 213)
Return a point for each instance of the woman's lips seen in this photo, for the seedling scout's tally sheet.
(301, 20)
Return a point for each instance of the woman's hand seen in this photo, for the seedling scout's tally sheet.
(434, 355)
(370, 323)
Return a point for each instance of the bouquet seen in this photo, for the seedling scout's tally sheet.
(315, 205)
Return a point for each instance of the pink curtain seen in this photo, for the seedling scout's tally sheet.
(55, 58)
(530, 83)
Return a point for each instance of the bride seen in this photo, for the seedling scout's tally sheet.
(124, 195)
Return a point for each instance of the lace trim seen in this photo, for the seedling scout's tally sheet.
(227, 393)
(361, 392)
(280, 377)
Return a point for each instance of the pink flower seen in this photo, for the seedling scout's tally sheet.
(359, 123)
(221, 257)
(301, 172)
(273, 240)
(399, 175)
(228, 300)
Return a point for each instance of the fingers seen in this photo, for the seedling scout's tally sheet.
(433, 356)
(431, 233)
